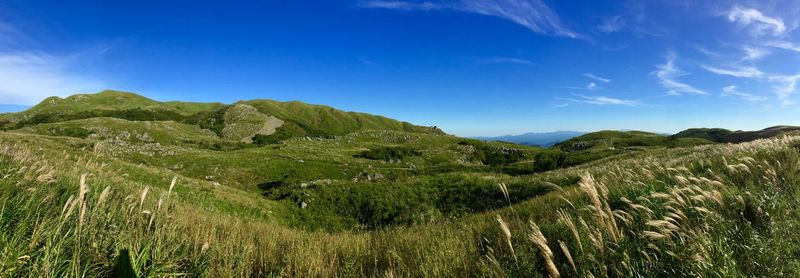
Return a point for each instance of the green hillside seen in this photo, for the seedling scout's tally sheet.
(267, 189)
(610, 139)
(717, 200)
(82, 104)
(274, 121)
(608, 143)
(721, 135)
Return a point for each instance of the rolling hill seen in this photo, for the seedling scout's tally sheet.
(240, 121)
(92, 184)
(721, 135)
(612, 139)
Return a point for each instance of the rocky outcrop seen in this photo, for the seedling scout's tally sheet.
(243, 121)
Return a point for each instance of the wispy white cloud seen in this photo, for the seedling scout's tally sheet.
(591, 86)
(28, 76)
(758, 23)
(400, 5)
(742, 72)
(599, 100)
(785, 45)
(598, 78)
(505, 60)
(11, 36)
(532, 14)
(706, 51)
(754, 53)
(732, 91)
(611, 24)
(668, 73)
(784, 86)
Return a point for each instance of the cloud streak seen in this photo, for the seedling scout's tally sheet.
(785, 45)
(784, 86)
(733, 91)
(668, 73)
(611, 25)
(400, 5)
(758, 23)
(754, 54)
(28, 76)
(505, 60)
(598, 78)
(534, 15)
(599, 100)
(741, 72)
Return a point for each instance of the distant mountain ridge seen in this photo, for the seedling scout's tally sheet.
(542, 139)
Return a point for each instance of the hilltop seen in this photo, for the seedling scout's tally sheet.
(721, 135)
(242, 121)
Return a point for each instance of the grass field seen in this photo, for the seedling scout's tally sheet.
(101, 196)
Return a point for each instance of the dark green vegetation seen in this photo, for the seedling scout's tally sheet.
(721, 135)
(264, 188)
(388, 153)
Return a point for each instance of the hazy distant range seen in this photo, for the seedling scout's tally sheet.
(543, 139)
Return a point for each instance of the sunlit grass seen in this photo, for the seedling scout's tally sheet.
(719, 210)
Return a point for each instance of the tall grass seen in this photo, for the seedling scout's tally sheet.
(719, 211)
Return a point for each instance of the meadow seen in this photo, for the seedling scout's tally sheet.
(99, 197)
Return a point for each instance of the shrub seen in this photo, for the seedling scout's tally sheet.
(491, 155)
(388, 153)
(549, 160)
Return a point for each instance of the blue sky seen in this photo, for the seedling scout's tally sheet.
(471, 67)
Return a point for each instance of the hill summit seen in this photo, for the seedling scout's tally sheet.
(261, 120)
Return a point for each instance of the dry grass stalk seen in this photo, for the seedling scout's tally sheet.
(160, 201)
(144, 195)
(568, 255)
(541, 242)
(103, 196)
(69, 202)
(653, 235)
(71, 208)
(82, 199)
(507, 233)
(600, 208)
(172, 185)
(566, 220)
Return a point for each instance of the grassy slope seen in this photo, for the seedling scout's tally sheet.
(320, 118)
(626, 139)
(733, 209)
(163, 132)
(427, 180)
(661, 206)
(609, 143)
(301, 119)
(721, 135)
(111, 100)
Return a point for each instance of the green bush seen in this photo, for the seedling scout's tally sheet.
(388, 153)
(549, 160)
(491, 155)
